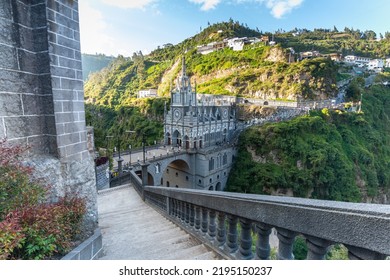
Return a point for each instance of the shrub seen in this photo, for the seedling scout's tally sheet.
(31, 228)
(50, 228)
(11, 236)
(101, 160)
(17, 188)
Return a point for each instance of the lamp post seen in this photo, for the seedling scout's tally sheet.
(120, 159)
(143, 146)
(107, 137)
(130, 154)
(119, 150)
(130, 131)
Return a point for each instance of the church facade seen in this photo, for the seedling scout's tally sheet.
(203, 125)
(198, 121)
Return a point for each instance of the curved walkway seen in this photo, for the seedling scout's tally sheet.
(132, 230)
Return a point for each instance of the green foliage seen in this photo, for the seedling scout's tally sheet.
(11, 237)
(349, 42)
(300, 248)
(49, 228)
(337, 252)
(31, 228)
(16, 187)
(144, 116)
(93, 63)
(354, 89)
(326, 155)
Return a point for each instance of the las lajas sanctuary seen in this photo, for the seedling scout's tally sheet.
(204, 126)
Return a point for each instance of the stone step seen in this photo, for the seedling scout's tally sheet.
(132, 230)
(197, 250)
(205, 256)
(163, 251)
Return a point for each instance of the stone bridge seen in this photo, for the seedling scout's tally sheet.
(181, 168)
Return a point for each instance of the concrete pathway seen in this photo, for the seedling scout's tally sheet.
(132, 230)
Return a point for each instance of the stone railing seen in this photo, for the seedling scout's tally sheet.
(227, 222)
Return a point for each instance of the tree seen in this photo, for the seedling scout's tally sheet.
(353, 91)
(369, 35)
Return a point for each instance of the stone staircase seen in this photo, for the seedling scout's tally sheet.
(132, 230)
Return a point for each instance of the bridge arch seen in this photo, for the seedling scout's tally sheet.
(178, 173)
(150, 177)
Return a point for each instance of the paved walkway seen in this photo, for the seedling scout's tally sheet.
(132, 230)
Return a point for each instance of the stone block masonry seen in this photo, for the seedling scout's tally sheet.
(26, 103)
(41, 77)
(41, 94)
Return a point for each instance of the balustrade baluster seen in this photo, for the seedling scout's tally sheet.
(187, 211)
(183, 212)
(221, 230)
(192, 215)
(169, 206)
(197, 218)
(179, 210)
(317, 248)
(232, 245)
(356, 253)
(246, 239)
(286, 241)
(263, 249)
(204, 221)
(172, 207)
(212, 225)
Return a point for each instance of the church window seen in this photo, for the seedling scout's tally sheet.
(225, 159)
(211, 164)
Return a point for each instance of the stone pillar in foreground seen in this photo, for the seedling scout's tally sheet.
(42, 97)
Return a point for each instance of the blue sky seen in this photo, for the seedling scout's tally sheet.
(122, 27)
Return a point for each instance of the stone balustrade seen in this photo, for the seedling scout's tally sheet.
(228, 221)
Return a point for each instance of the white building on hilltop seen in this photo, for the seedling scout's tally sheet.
(147, 93)
(376, 65)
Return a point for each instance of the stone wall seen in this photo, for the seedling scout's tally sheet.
(67, 78)
(41, 94)
(26, 98)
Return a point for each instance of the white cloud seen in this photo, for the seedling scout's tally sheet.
(129, 4)
(206, 4)
(94, 31)
(281, 7)
(278, 8)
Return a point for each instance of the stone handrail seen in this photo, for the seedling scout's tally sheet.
(214, 218)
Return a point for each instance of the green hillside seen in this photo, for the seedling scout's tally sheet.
(94, 63)
(259, 70)
(327, 155)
